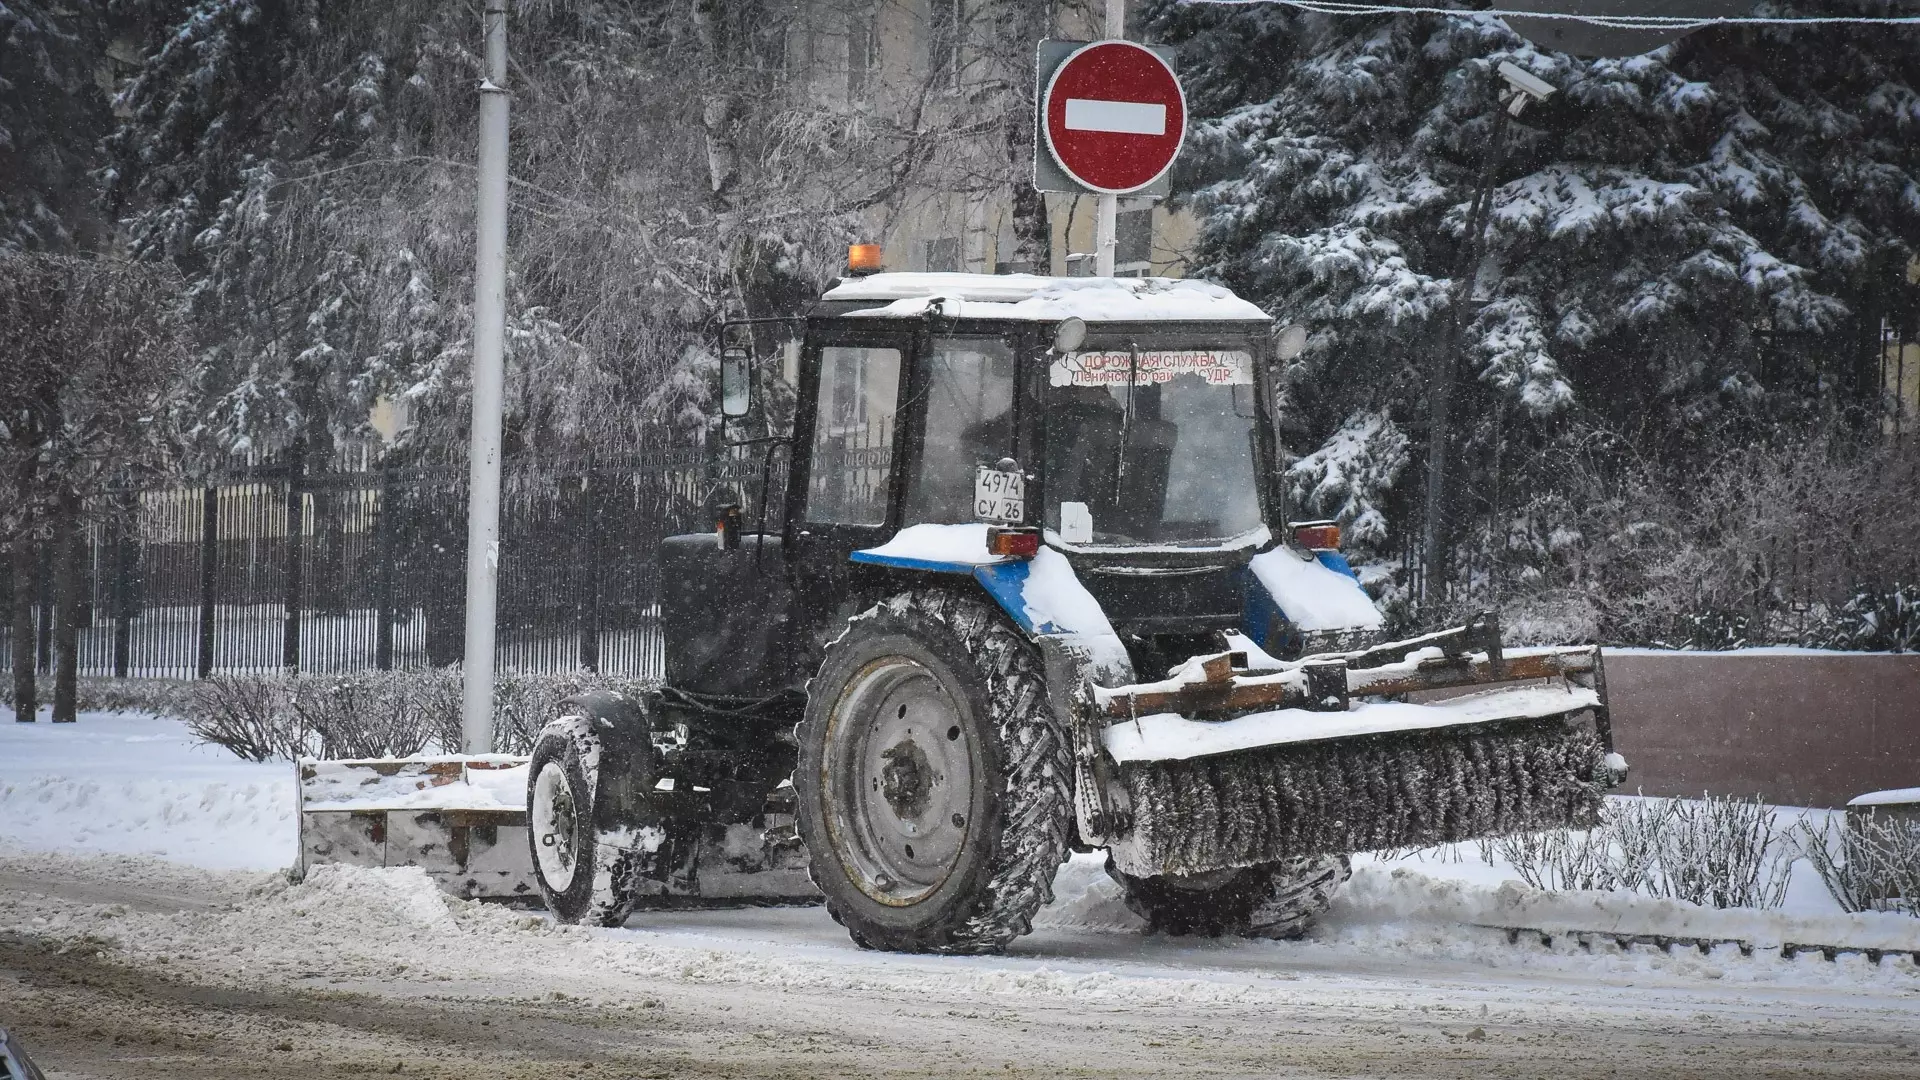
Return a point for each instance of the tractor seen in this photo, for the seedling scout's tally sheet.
(1032, 588)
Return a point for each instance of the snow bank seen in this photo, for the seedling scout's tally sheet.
(131, 784)
(1895, 797)
(1379, 895)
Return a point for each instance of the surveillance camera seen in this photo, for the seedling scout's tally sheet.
(1525, 82)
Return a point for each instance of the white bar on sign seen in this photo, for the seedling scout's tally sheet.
(1122, 117)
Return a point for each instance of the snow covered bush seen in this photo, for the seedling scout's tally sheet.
(1777, 542)
(155, 697)
(524, 703)
(248, 715)
(360, 714)
(1877, 620)
(1715, 851)
(1869, 863)
(373, 714)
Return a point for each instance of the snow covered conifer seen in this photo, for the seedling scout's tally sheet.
(1686, 247)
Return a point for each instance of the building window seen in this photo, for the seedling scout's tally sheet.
(863, 48)
(943, 42)
(1133, 246)
(943, 255)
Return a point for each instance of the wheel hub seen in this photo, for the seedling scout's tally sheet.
(906, 780)
(899, 774)
(555, 819)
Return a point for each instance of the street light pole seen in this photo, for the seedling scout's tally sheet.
(489, 378)
(1106, 222)
(1435, 547)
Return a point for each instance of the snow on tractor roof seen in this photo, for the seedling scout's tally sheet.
(1047, 299)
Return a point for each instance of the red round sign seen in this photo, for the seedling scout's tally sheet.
(1115, 116)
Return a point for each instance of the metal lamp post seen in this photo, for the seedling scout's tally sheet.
(1522, 87)
(489, 377)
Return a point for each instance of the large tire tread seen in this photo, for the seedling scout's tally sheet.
(1037, 806)
(1280, 900)
(612, 868)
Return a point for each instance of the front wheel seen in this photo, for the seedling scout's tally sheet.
(1278, 900)
(933, 779)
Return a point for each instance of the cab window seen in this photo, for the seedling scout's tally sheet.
(852, 455)
(969, 422)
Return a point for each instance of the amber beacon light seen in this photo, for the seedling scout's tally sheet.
(863, 258)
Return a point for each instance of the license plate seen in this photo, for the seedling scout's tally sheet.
(999, 496)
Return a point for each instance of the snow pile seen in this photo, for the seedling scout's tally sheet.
(1378, 896)
(139, 785)
(1086, 898)
(405, 892)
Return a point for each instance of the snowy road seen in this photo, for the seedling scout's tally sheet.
(224, 973)
(128, 965)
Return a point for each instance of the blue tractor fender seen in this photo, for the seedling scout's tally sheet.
(1043, 596)
(1290, 593)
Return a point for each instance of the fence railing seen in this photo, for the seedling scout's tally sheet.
(364, 570)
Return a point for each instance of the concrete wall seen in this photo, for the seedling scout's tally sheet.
(1797, 729)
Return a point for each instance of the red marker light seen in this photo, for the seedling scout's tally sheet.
(1013, 543)
(1317, 535)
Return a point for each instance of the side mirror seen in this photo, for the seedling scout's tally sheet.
(736, 382)
(1290, 341)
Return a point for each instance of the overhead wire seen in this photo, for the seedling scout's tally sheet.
(1616, 22)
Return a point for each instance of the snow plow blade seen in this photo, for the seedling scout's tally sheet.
(463, 819)
(1224, 765)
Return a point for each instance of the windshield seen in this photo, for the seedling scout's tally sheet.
(1151, 442)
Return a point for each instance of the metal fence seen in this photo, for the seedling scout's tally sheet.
(271, 571)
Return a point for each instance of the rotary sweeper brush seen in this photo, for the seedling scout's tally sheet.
(1029, 586)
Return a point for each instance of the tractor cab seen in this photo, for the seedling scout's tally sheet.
(1123, 423)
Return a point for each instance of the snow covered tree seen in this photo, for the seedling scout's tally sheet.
(308, 167)
(88, 381)
(1687, 248)
(52, 112)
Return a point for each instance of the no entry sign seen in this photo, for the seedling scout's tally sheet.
(1113, 116)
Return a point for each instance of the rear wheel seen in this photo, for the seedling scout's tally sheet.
(933, 778)
(1278, 900)
(585, 874)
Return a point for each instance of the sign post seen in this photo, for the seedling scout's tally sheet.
(1112, 118)
(1106, 225)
